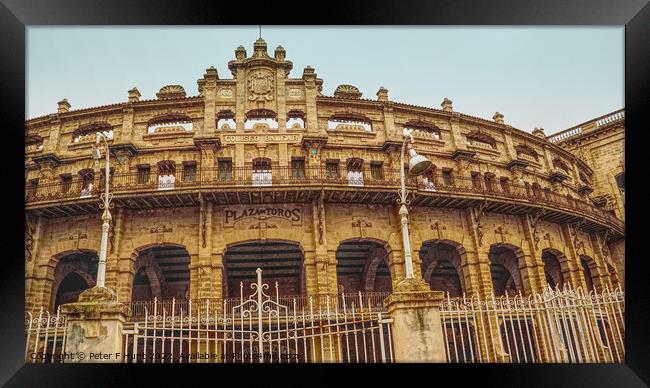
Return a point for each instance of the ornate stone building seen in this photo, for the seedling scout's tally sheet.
(261, 170)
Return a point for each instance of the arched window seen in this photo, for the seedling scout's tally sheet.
(537, 191)
(170, 123)
(505, 184)
(489, 178)
(166, 174)
(87, 177)
(226, 120)
(296, 119)
(262, 175)
(349, 122)
(526, 152)
(426, 128)
(430, 179)
(355, 171)
(261, 119)
(480, 139)
(88, 132)
(587, 263)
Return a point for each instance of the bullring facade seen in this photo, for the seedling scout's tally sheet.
(262, 170)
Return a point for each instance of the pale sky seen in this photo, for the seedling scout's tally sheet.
(549, 77)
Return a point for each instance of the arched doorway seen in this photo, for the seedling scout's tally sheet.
(440, 264)
(162, 272)
(588, 265)
(504, 268)
(553, 261)
(280, 261)
(74, 273)
(362, 265)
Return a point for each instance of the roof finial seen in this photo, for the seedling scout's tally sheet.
(260, 31)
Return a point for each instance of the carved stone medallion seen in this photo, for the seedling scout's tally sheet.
(260, 86)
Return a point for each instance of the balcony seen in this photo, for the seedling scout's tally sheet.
(286, 184)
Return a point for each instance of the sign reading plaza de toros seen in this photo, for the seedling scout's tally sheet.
(289, 213)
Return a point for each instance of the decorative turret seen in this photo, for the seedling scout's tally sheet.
(447, 105)
(382, 94)
(134, 95)
(539, 132)
(498, 118)
(259, 48)
(347, 91)
(240, 53)
(64, 106)
(280, 53)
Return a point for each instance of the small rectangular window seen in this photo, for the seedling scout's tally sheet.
(447, 177)
(32, 187)
(332, 169)
(225, 169)
(376, 171)
(66, 183)
(143, 174)
(505, 185)
(476, 181)
(298, 168)
(189, 172)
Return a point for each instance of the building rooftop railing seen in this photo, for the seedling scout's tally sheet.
(588, 125)
(212, 179)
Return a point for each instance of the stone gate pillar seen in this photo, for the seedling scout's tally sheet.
(417, 326)
(95, 323)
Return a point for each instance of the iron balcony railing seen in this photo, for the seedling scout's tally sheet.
(189, 179)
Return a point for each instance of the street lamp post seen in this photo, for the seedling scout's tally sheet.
(106, 204)
(418, 165)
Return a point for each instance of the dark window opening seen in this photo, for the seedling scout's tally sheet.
(225, 169)
(376, 170)
(66, 183)
(143, 174)
(332, 169)
(298, 168)
(189, 172)
(447, 177)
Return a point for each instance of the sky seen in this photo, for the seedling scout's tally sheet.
(548, 77)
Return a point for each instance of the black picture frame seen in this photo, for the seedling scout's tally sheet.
(15, 15)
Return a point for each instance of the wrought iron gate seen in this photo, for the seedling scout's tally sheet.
(262, 328)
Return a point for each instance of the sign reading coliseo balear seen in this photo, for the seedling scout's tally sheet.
(293, 214)
(261, 138)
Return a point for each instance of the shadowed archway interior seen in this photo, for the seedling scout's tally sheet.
(280, 261)
(163, 272)
(504, 269)
(362, 265)
(73, 274)
(440, 263)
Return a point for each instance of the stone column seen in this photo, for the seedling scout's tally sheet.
(417, 326)
(95, 323)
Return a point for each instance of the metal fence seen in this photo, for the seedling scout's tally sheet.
(261, 328)
(45, 337)
(555, 326)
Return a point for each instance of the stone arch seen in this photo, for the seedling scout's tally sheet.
(556, 267)
(281, 261)
(504, 264)
(433, 264)
(148, 258)
(146, 263)
(361, 263)
(83, 263)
